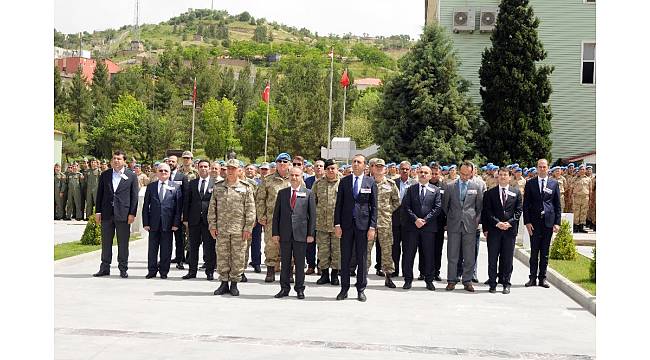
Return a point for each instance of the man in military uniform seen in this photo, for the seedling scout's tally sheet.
(490, 180)
(265, 204)
(580, 190)
(329, 246)
(73, 180)
(556, 172)
(83, 168)
(231, 217)
(591, 213)
(518, 180)
(143, 179)
(568, 189)
(387, 202)
(187, 167)
(92, 180)
(59, 192)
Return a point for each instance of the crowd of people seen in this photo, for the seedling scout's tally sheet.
(327, 217)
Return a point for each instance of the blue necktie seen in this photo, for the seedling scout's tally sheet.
(355, 187)
(463, 191)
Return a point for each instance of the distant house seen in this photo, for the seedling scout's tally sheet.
(69, 65)
(364, 83)
(198, 37)
(137, 45)
(273, 58)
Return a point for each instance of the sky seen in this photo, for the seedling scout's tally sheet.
(374, 17)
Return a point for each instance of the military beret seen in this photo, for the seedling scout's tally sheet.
(187, 154)
(264, 165)
(518, 169)
(571, 165)
(233, 163)
(509, 166)
(582, 166)
(241, 163)
(308, 163)
(589, 167)
(445, 168)
(328, 163)
(283, 156)
(156, 163)
(515, 165)
(555, 168)
(484, 168)
(489, 164)
(222, 163)
(272, 165)
(392, 164)
(452, 167)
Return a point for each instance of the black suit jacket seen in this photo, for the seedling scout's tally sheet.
(442, 217)
(493, 212)
(119, 204)
(365, 204)
(413, 209)
(548, 203)
(297, 223)
(162, 216)
(195, 205)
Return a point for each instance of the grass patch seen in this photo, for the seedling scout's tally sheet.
(575, 270)
(62, 251)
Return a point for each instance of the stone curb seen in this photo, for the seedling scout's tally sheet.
(91, 254)
(575, 292)
(584, 242)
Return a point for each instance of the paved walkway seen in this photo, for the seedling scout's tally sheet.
(136, 318)
(68, 231)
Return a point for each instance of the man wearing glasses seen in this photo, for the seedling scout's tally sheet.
(402, 182)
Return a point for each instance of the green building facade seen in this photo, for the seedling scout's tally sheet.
(568, 31)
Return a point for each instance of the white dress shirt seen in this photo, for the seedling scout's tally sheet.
(539, 183)
(161, 184)
(207, 181)
(117, 176)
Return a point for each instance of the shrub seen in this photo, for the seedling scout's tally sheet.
(592, 267)
(93, 232)
(563, 247)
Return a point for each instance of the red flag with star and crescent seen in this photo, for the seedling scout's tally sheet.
(345, 80)
(266, 93)
(194, 92)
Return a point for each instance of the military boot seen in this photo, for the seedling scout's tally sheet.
(233, 289)
(270, 274)
(335, 277)
(222, 289)
(324, 277)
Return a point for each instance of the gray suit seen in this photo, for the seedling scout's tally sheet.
(463, 218)
(293, 225)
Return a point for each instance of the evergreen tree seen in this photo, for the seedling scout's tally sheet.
(243, 93)
(100, 90)
(80, 105)
(219, 127)
(253, 131)
(59, 91)
(227, 84)
(515, 89)
(261, 34)
(426, 113)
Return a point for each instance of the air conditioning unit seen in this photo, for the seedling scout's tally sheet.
(488, 19)
(464, 20)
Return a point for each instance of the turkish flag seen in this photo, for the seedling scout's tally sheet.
(345, 80)
(194, 92)
(266, 93)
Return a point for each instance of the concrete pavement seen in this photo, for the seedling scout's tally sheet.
(136, 318)
(68, 231)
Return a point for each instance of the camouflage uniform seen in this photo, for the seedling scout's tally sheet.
(591, 214)
(143, 180)
(267, 192)
(561, 181)
(568, 193)
(59, 187)
(231, 212)
(92, 180)
(490, 182)
(520, 184)
(329, 246)
(387, 203)
(190, 172)
(580, 191)
(74, 195)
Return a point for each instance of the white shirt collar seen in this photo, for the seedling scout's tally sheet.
(295, 189)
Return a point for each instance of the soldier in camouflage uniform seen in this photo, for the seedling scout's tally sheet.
(591, 214)
(267, 192)
(187, 167)
(73, 180)
(518, 181)
(580, 191)
(143, 178)
(59, 192)
(329, 246)
(387, 202)
(92, 180)
(231, 217)
(568, 189)
(556, 172)
(490, 180)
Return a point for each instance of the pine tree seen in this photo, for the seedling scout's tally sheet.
(243, 94)
(80, 103)
(515, 89)
(426, 113)
(59, 91)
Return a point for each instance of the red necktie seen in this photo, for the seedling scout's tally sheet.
(293, 199)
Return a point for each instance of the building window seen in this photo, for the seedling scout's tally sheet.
(588, 68)
(589, 1)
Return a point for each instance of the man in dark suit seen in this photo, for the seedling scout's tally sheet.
(421, 206)
(179, 235)
(542, 216)
(502, 208)
(196, 201)
(116, 206)
(161, 215)
(439, 236)
(294, 226)
(355, 221)
(403, 182)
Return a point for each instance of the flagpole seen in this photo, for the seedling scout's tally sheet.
(345, 92)
(193, 115)
(329, 124)
(266, 136)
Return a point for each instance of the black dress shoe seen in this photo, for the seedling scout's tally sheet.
(202, 266)
(407, 285)
(389, 283)
(544, 284)
(189, 276)
(244, 278)
(180, 266)
(210, 277)
(493, 289)
(123, 274)
(222, 289)
(163, 276)
(101, 273)
(150, 275)
(174, 261)
(353, 273)
(420, 277)
(301, 295)
(342, 295)
(437, 278)
(506, 289)
(380, 273)
(487, 282)
(430, 286)
(281, 294)
(475, 280)
(530, 283)
(257, 269)
(361, 296)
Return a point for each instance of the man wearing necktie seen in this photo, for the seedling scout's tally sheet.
(463, 205)
(502, 208)
(355, 221)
